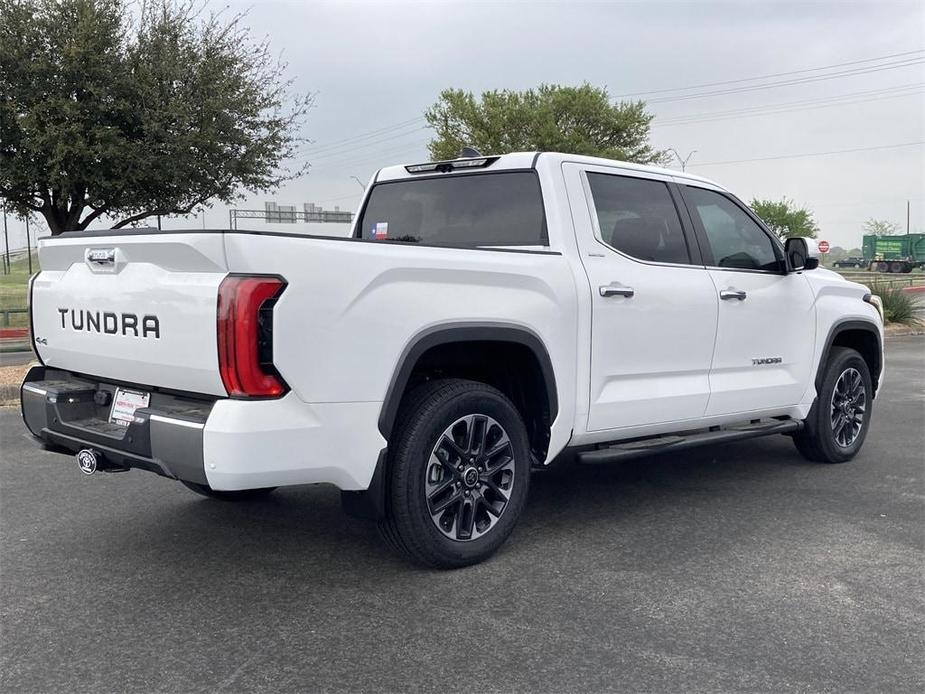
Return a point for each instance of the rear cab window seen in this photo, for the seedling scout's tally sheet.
(503, 208)
(638, 217)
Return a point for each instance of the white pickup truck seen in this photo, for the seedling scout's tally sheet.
(488, 315)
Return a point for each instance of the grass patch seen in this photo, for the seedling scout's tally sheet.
(13, 286)
(898, 306)
(13, 290)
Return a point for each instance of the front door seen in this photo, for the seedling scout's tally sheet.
(766, 332)
(653, 305)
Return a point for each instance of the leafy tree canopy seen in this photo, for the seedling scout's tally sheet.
(785, 219)
(552, 118)
(108, 112)
(881, 226)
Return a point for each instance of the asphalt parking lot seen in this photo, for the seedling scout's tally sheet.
(733, 568)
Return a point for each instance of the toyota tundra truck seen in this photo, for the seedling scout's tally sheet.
(486, 316)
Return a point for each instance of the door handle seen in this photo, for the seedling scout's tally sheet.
(732, 293)
(616, 289)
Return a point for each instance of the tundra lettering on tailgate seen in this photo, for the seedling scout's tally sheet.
(111, 323)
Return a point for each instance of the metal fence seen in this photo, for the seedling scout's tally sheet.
(885, 279)
(5, 314)
(290, 216)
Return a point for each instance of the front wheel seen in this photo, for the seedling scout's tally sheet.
(459, 471)
(237, 495)
(837, 424)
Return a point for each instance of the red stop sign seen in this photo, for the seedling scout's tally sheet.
(823, 246)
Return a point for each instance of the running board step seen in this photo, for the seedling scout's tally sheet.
(662, 444)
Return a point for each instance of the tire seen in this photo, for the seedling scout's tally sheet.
(883, 267)
(828, 434)
(236, 495)
(896, 268)
(481, 498)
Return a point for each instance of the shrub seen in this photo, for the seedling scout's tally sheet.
(898, 306)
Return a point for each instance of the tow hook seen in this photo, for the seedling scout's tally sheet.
(90, 460)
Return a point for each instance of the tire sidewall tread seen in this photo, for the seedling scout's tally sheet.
(427, 411)
(816, 441)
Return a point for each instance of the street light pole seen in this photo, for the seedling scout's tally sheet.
(6, 245)
(359, 182)
(682, 160)
(28, 245)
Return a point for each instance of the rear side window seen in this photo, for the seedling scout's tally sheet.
(498, 209)
(736, 240)
(638, 217)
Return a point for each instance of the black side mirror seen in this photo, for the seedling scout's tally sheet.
(797, 251)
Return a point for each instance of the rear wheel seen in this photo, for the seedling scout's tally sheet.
(236, 495)
(459, 471)
(837, 424)
(896, 268)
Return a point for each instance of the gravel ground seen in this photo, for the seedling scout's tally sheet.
(12, 375)
(10, 378)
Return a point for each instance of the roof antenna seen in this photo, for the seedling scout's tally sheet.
(469, 152)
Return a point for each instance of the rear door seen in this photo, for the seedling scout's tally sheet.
(137, 308)
(766, 331)
(654, 309)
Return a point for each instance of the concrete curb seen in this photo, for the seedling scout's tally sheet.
(14, 346)
(891, 331)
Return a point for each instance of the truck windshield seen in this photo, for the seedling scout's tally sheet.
(491, 209)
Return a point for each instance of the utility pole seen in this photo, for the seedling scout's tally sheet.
(908, 204)
(28, 245)
(682, 160)
(6, 242)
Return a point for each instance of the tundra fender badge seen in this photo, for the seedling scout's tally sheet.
(767, 360)
(87, 461)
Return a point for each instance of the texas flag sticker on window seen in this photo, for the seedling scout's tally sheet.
(380, 230)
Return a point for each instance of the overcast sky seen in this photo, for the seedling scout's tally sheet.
(376, 66)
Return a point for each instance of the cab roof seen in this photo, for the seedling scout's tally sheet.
(527, 160)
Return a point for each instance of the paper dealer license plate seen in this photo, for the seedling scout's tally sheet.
(124, 404)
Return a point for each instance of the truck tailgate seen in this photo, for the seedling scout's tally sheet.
(137, 308)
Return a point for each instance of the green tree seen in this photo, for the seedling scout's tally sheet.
(105, 111)
(883, 227)
(836, 253)
(785, 219)
(577, 120)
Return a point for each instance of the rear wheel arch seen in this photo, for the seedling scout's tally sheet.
(509, 357)
(861, 336)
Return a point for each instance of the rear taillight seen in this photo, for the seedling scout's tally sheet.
(245, 335)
